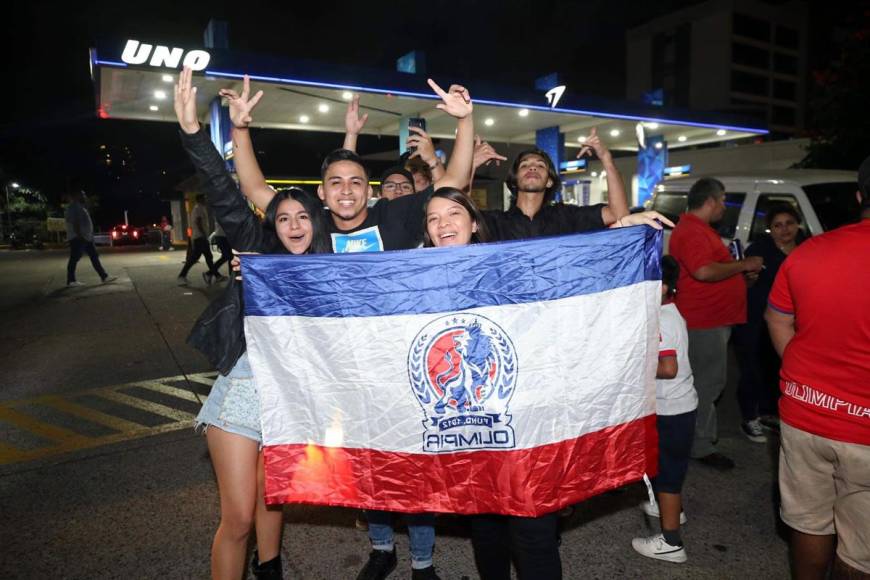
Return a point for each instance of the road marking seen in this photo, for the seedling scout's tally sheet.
(110, 421)
(149, 406)
(61, 439)
(167, 390)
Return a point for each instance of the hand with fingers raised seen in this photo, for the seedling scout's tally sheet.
(593, 143)
(353, 122)
(241, 105)
(456, 102)
(185, 102)
(484, 154)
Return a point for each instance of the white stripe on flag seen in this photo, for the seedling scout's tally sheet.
(343, 382)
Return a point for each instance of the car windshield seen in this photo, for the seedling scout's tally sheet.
(834, 203)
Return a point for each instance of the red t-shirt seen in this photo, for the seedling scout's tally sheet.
(825, 372)
(705, 304)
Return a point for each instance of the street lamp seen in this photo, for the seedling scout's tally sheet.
(14, 185)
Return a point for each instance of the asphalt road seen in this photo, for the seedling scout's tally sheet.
(101, 475)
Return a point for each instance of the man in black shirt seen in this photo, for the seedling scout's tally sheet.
(389, 224)
(533, 543)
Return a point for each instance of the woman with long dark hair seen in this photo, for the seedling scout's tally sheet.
(294, 224)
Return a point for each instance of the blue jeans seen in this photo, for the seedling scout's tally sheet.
(77, 247)
(421, 533)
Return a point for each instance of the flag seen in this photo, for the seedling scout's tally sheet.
(509, 378)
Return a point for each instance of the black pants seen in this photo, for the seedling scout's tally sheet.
(198, 248)
(77, 247)
(758, 386)
(226, 254)
(532, 543)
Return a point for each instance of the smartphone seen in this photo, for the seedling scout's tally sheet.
(415, 122)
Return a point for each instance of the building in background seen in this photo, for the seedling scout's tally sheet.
(729, 56)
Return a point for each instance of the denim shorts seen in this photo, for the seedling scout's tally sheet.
(233, 404)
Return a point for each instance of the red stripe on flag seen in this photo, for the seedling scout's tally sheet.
(523, 482)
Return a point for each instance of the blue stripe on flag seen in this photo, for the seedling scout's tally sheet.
(433, 280)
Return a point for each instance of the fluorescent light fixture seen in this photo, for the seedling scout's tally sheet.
(347, 95)
(160, 95)
(523, 112)
(651, 125)
(304, 118)
(721, 132)
(153, 108)
(581, 139)
(15, 185)
(681, 138)
(614, 132)
(167, 78)
(323, 108)
(659, 145)
(489, 122)
(594, 174)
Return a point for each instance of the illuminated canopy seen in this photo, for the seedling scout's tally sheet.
(311, 96)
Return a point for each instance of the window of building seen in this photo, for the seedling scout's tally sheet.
(787, 37)
(783, 116)
(750, 55)
(751, 27)
(785, 90)
(744, 82)
(785, 63)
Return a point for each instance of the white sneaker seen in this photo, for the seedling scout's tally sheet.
(652, 510)
(753, 431)
(109, 278)
(171, 248)
(656, 547)
(74, 284)
(182, 281)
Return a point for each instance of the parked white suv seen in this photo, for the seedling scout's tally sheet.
(825, 199)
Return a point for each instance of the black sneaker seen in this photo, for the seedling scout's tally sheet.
(717, 461)
(425, 574)
(379, 566)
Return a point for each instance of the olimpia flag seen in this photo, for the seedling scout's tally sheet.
(510, 378)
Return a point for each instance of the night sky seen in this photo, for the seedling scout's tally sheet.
(51, 140)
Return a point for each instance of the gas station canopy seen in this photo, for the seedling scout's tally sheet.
(134, 80)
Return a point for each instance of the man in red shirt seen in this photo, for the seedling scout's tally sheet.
(712, 298)
(819, 320)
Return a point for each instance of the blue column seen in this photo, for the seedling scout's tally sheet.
(551, 141)
(651, 163)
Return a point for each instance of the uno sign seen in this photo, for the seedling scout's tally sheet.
(136, 52)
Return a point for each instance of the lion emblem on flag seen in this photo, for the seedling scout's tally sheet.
(463, 369)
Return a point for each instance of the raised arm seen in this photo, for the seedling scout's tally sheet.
(617, 200)
(224, 200)
(457, 103)
(353, 124)
(251, 178)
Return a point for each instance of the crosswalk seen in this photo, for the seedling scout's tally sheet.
(52, 425)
